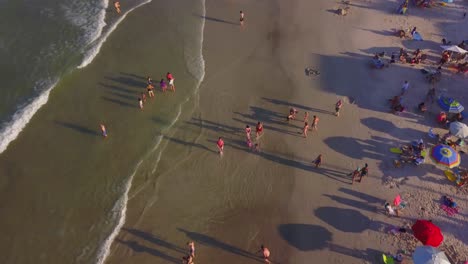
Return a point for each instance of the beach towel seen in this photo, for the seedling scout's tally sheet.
(396, 150)
(417, 36)
(449, 210)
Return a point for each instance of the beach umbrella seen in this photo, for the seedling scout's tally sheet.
(429, 255)
(428, 233)
(459, 130)
(450, 105)
(454, 48)
(445, 155)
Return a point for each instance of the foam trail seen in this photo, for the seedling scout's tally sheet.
(94, 51)
(120, 208)
(21, 118)
(123, 201)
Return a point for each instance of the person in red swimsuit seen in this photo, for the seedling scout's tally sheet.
(259, 129)
(220, 144)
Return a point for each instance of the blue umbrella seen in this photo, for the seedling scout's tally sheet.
(450, 105)
(445, 155)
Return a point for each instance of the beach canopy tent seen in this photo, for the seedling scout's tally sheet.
(454, 48)
(450, 105)
(428, 233)
(459, 130)
(429, 255)
(445, 155)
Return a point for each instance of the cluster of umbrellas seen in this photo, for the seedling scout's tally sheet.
(431, 236)
(450, 105)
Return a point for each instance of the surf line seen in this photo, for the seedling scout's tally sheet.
(122, 203)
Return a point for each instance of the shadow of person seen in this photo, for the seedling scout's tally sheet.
(135, 246)
(305, 237)
(155, 240)
(77, 128)
(213, 242)
(345, 220)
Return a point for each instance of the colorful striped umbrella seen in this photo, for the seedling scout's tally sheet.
(450, 105)
(445, 155)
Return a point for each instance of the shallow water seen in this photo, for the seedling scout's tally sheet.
(63, 187)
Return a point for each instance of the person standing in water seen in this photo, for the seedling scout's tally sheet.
(170, 79)
(140, 102)
(241, 19)
(306, 117)
(220, 144)
(117, 7)
(103, 130)
(150, 89)
(163, 85)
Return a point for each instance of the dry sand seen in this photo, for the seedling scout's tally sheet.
(231, 205)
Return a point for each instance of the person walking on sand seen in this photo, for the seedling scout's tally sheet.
(259, 129)
(191, 246)
(140, 102)
(318, 161)
(247, 131)
(143, 97)
(356, 173)
(241, 19)
(220, 144)
(265, 253)
(188, 260)
(149, 80)
(117, 7)
(170, 79)
(338, 106)
(103, 130)
(306, 117)
(364, 171)
(404, 88)
(305, 129)
(315, 121)
(163, 85)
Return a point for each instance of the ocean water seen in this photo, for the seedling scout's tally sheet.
(69, 201)
(41, 41)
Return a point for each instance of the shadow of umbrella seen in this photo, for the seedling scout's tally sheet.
(345, 220)
(305, 237)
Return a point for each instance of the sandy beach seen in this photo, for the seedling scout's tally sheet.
(229, 206)
(180, 189)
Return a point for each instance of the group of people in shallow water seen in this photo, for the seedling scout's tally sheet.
(163, 84)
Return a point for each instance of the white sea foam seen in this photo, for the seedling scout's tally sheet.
(119, 212)
(20, 119)
(121, 205)
(96, 46)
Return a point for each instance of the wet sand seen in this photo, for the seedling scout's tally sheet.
(231, 205)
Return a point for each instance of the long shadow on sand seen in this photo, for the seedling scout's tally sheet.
(213, 242)
(305, 237)
(363, 196)
(154, 239)
(353, 203)
(358, 148)
(345, 220)
(81, 129)
(369, 254)
(388, 127)
(298, 106)
(190, 144)
(135, 246)
(213, 19)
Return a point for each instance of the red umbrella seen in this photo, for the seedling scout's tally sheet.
(428, 233)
